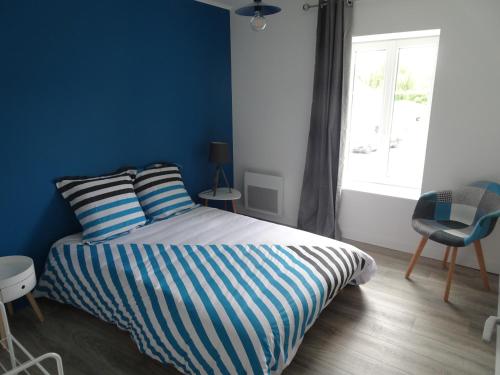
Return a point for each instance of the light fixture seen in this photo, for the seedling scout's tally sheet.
(258, 11)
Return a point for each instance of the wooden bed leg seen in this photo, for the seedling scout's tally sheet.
(451, 271)
(415, 257)
(482, 266)
(446, 254)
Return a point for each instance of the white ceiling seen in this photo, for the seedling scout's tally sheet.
(226, 4)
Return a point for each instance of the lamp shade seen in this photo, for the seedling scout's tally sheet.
(219, 153)
(257, 7)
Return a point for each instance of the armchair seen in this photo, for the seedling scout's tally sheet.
(457, 218)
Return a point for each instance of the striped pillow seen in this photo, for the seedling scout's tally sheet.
(161, 191)
(105, 206)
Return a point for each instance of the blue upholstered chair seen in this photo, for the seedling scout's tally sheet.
(457, 218)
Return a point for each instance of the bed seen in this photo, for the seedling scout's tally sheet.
(207, 291)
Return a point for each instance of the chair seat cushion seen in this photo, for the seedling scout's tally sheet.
(447, 232)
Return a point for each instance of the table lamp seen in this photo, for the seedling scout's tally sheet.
(219, 155)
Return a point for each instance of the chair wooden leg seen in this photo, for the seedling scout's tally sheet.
(35, 307)
(446, 254)
(451, 271)
(415, 257)
(482, 266)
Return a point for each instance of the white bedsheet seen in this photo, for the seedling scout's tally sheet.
(205, 225)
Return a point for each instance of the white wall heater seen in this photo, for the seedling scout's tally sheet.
(263, 193)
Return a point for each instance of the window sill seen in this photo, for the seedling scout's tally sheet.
(386, 190)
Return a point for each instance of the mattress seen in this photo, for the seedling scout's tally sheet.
(207, 291)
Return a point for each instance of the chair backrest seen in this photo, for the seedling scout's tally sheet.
(475, 201)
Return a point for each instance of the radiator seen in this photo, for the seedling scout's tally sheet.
(263, 194)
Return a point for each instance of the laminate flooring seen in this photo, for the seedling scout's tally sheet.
(388, 326)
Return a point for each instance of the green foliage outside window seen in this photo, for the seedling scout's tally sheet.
(405, 86)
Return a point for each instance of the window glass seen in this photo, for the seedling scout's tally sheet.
(367, 113)
(411, 114)
(389, 111)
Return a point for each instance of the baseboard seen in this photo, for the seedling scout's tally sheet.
(466, 257)
(433, 250)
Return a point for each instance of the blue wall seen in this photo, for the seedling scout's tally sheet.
(88, 86)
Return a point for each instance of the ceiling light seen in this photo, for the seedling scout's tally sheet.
(258, 11)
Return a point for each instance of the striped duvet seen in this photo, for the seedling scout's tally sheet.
(211, 309)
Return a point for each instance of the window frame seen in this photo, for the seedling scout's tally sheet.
(392, 44)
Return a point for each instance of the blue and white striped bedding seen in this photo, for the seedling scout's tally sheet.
(161, 191)
(228, 309)
(105, 206)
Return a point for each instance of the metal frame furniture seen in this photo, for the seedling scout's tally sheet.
(13, 347)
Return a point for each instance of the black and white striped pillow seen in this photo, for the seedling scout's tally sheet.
(161, 191)
(105, 206)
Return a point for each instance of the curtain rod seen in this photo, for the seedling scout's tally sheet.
(322, 4)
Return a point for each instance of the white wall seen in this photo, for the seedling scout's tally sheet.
(272, 93)
(272, 88)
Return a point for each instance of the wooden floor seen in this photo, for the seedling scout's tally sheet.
(388, 326)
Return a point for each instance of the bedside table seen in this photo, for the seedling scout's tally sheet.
(223, 194)
(18, 279)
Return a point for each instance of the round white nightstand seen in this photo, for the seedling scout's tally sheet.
(223, 194)
(18, 279)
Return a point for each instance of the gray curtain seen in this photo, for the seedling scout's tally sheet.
(317, 212)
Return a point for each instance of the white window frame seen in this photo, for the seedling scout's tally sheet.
(392, 43)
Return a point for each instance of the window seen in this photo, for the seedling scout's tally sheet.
(392, 79)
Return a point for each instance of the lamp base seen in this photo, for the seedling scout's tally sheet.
(218, 171)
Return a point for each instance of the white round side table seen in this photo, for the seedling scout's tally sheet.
(18, 279)
(223, 194)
